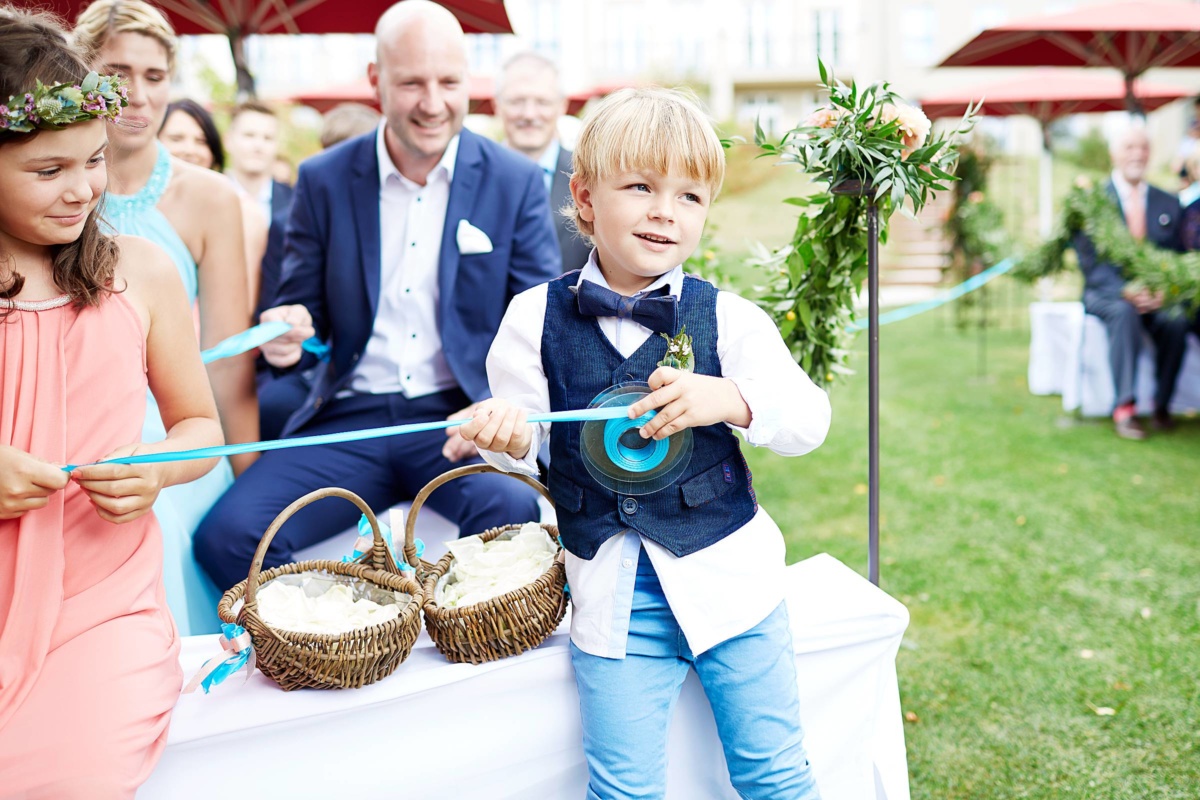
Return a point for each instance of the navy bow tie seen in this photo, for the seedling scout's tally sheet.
(656, 310)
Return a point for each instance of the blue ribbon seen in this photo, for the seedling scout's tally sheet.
(584, 415)
(949, 295)
(257, 336)
(385, 530)
(230, 665)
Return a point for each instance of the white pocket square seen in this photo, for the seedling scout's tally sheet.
(471, 240)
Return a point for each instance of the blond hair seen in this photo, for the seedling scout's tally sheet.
(104, 19)
(647, 129)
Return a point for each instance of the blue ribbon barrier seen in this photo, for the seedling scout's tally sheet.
(584, 415)
(257, 336)
(947, 296)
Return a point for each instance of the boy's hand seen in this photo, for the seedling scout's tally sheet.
(285, 350)
(121, 492)
(687, 400)
(26, 482)
(456, 448)
(499, 428)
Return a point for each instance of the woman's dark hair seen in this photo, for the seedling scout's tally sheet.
(34, 46)
(212, 136)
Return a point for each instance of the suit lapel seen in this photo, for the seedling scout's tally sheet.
(560, 187)
(364, 194)
(468, 167)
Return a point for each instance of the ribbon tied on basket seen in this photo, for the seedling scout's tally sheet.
(238, 652)
(366, 538)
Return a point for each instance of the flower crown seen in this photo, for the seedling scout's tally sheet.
(51, 108)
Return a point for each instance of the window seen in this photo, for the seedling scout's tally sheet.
(827, 25)
(918, 35)
(483, 52)
(626, 46)
(758, 34)
(765, 110)
(688, 50)
(546, 24)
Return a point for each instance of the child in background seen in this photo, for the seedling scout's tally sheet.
(690, 576)
(88, 651)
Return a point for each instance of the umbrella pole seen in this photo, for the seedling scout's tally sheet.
(245, 80)
(1045, 186)
(873, 388)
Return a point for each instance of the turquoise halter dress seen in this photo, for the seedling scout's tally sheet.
(192, 597)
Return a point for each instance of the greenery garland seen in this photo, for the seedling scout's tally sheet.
(1089, 209)
(871, 137)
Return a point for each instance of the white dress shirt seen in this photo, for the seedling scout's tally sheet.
(790, 415)
(404, 353)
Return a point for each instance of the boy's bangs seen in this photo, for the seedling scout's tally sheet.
(651, 136)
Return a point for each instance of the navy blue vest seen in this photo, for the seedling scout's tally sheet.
(711, 499)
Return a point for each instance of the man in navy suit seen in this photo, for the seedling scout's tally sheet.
(529, 101)
(404, 247)
(1152, 215)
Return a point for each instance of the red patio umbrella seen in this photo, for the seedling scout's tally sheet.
(1129, 37)
(1047, 95)
(237, 19)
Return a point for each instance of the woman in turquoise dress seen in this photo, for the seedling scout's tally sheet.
(194, 215)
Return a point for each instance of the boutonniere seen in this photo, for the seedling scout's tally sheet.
(679, 351)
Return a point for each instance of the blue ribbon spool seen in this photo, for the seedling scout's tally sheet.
(616, 455)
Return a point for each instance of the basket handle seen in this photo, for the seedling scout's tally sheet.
(410, 522)
(380, 558)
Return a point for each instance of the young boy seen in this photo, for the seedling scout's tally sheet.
(691, 575)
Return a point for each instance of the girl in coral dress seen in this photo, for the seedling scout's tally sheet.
(88, 650)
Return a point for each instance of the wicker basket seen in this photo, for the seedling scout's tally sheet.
(503, 626)
(349, 660)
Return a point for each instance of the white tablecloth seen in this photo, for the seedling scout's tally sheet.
(510, 729)
(1068, 355)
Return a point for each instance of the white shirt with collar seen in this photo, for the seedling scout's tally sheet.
(790, 415)
(1126, 191)
(404, 353)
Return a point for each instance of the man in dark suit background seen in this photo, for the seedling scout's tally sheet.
(403, 249)
(529, 101)
(1127, 310)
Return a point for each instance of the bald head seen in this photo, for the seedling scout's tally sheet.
(420, 79)
(1130, 151)
(422, 16)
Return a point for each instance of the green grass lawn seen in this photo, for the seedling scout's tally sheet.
(1050, 568)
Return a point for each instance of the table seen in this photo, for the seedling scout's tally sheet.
(510, 729)
(1068, 355)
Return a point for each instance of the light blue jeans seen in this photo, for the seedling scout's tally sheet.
(750, 681)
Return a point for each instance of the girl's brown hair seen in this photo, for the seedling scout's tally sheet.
(33, 47)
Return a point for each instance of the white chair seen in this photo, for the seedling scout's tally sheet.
(1068, 355)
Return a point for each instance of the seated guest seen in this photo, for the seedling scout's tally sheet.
(253, 143)
(1189, 198)
(1128, 310)
(404, 247)
(345, 121)
(189, 134)
(529, 100)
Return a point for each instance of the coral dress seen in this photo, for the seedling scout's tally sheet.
(88, 651)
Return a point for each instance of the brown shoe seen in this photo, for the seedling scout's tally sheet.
(1130, 428)
(1163, 421)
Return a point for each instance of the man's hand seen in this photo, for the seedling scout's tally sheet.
(1143, 300)
(457, 448)
(498, 427)
(284, 351)
(121, 492)
(26, 482)
(687, 400)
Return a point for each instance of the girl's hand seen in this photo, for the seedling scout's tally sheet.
(26, 482)
(121, 492)
(499, 427)
(688, 400)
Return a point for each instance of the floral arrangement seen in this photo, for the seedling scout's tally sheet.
(870, 148)
(975, 225)
(679, 351)
(1090, 210)
(54, 107)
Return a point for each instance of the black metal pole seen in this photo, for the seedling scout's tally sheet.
(873, 384)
